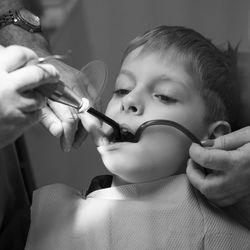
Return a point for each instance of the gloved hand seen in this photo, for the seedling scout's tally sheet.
(227, 159)
(20, 105)
(61, 120)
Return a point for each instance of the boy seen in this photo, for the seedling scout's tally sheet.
(170, 73)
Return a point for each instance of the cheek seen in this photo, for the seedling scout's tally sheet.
(112, 108)
(193, 119)
(167, 146)
(160, 153)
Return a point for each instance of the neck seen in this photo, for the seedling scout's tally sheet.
(117, 181)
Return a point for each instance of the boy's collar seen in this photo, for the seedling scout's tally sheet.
(172, 188)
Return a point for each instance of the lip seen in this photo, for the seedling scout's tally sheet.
(126, 131)
(111, 146)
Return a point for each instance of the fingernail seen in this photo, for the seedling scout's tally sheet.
(105, 141)
(55, 130)
(207, 143)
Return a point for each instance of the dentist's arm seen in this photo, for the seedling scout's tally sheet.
(58, 119)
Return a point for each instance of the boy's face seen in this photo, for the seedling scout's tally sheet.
(151, 87)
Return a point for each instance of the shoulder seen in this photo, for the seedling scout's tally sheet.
(52, 197)
(220, 226)
(52, 213)
(56, 191)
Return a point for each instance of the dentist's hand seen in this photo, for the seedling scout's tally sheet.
(61, 120)
(227, 159)
(94, 127)
(20, 105)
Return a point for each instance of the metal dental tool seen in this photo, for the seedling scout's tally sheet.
(95, 73)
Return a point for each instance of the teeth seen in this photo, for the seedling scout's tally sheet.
(124, 130)
(126, 135)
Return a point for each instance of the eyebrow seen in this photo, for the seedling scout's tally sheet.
(163, 77)
(169, 79)
(128, 73)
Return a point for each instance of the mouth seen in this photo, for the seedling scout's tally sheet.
(126, 135)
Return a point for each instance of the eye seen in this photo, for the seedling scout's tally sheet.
(121, 92)
(166, 99)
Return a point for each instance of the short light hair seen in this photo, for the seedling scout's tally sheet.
(216, 69)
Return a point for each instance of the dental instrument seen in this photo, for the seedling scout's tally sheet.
(60, 92)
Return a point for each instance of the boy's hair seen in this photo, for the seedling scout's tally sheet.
(216, 69)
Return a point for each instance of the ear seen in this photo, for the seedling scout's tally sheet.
(218, 129)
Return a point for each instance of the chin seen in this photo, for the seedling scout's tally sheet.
(121, 168)
(132, 173)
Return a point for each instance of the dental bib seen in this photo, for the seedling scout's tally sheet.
(164, 214)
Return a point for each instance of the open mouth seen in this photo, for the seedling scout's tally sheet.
(126, 135)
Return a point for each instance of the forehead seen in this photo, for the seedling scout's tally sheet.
(154, 63)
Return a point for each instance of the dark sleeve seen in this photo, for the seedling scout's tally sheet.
(14, 201)
(14, 234)
(12, 34)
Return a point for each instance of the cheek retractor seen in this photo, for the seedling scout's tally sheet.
(128, 136)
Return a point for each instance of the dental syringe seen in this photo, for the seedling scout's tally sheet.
(59, 92)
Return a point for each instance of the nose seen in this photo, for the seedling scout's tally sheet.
(132, 103)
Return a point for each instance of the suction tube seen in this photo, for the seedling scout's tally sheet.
(166, 123)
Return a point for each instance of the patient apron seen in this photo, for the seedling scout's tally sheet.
(164, 214)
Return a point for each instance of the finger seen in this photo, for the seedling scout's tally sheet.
(230, 141)
(69, 122)
(215, 159)
(93, 126)
(51, 122)
(32, 101)
(80, 136)
(15, 56)
(209, 185)
(195, 174)
(32, 76)
(67, 139)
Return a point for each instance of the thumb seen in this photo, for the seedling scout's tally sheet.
(50, 121)
(93, 126)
